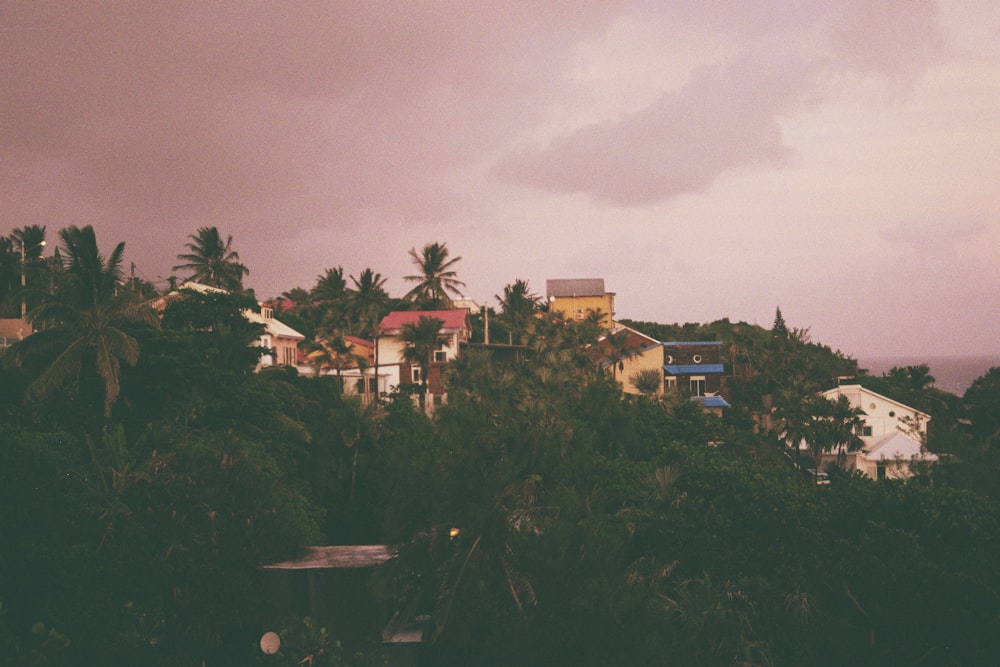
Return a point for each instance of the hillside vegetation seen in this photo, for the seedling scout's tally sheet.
(540, 517)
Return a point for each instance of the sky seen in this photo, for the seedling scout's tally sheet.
(839, 159)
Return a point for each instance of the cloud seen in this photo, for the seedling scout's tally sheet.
(723, 119)
(726, 118)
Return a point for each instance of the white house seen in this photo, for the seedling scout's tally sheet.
(390, 349)
(280, 338)
(893, 434)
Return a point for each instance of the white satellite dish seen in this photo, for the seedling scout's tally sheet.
(270, 642)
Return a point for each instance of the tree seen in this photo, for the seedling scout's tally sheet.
(647, 381)
(334, 352)
(794, 423)
(422, 339)
(780, 329)
(436, 279)
(519, 306)
(982, 401)
(617, 347)
(330, 285)
(846, 422)
(330, 294)
(82, 321)
(368, 301)
(212, 261)
(910, 380)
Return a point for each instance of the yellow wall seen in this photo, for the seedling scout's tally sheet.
(650, 359)
(569, 306)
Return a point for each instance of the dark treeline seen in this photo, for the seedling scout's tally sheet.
(540, 516)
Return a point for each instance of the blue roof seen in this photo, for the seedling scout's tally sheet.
(693, 369)
(711, 401)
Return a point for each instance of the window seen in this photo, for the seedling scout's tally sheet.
(697, 385)
(288, 356)
(670, 382)
(866, 431)
(267, 313)
(440, 356)
(371, 382)
(414, 373)
(696, 358)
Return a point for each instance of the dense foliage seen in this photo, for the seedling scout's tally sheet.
(540, 516)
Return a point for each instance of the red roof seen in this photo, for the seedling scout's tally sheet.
(453, 320)
(360, 342)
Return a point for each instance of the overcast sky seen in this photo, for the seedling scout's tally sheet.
(839, 159)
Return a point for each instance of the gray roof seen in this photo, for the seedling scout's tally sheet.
(320, 558)
(562, 287)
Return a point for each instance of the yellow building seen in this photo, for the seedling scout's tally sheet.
(580, 298)
(625, 353)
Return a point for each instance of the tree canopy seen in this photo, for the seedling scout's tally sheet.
(538, 517)
(437, 280)
(212, 261)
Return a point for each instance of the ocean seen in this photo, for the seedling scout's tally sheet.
(951, 374)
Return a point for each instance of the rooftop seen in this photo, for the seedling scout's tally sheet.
(318, 558)
(453, 320)
(570, 287)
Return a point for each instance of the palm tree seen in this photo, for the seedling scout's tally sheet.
(368, 300)
(330, 285)
(330, 295)
(212, 261)
(422, 340)
(30, 238)
(617, 348)
(519, 305)
(335, 353)
(647, 381)
(436, 279)
(846, 422)
(795, 421)
(81, 321)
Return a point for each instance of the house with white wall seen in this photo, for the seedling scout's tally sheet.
(281, 339)
(390, 348)
(893, 435)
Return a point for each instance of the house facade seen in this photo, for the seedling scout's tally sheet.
(390, 348)
(696, 368)
(281, 339)
(893, 435)
(644, 354)
(579, 298)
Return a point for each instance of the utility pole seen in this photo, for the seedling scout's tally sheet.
(24, 280)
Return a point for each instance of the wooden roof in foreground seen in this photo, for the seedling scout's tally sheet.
(321, 558)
